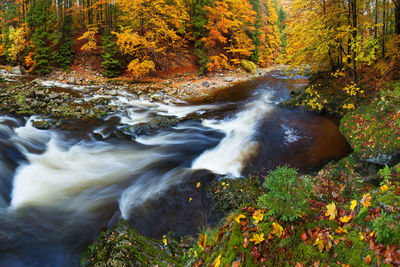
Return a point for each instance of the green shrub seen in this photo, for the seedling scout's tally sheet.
(288, 195)
(387, 231)
(249, 66)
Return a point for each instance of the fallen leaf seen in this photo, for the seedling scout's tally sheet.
(368, 259)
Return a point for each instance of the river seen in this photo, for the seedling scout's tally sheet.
(59, 188)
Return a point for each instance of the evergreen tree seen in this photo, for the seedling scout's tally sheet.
(282, 16)
(199, 21)
(255, 34)
(66, 51)
(42, 22)
(111, 64)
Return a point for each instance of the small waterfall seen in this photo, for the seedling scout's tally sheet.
(238, 146)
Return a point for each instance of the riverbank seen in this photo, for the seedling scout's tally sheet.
(188, 86)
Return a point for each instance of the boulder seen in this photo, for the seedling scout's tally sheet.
(206, 84)
(71, 80)
(16, 70)
(229, 79)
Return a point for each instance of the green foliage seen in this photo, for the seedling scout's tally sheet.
(385, 173)
(282, 16)
(66, 51)
(249, 66)
(256, 33)
(43, 25)
(112, 63)
(387, 231)
(199, 21)
(288, 195)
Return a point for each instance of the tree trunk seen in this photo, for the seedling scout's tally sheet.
(354, 13)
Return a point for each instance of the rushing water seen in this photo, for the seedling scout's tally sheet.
(59, 188)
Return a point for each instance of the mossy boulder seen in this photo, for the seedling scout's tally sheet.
(373, 131)
(124, 246)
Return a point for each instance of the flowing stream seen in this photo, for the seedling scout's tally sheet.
(59, 188)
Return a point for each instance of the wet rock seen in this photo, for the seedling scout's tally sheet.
(54, 95)
(206, 84)
(143, 97)
(157, 97)
(259, 72)
(229, 79)
(16, 70)
(171, 92)
(42, 125)
(40, 94)
(71, 80)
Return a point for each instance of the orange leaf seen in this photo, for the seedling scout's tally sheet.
(304, 236)
(368, 259)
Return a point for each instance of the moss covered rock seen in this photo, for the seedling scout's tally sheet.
(124, 246)
(373, 130)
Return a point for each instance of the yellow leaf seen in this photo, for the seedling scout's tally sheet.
(277, 229)
(202, 241)
(345, 219)
(331, 211)
(258, 216)
(384, 188)
(362, 237)
(340, 230)
(237, 218)
(353, 205)
(366, 200)
(198, 184)
(257, 239)
(217, 261)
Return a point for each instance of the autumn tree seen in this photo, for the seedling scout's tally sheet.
(228, 42)
(17, 44)
(151, 33)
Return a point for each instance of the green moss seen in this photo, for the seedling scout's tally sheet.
(124, 246)
(357, 252)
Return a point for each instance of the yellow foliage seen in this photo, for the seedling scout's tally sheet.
(202, 241)
(228, 24)
(258, 216)
(384, 188)
(217, 261)
(18, 43)
(257, 238)
(366, 200)
(353, 205)
(139, 69)
(237, 218)
(331, 211)
(91, 43)
(218, 62)
(152, 32)
(277, 229)
(345, 219)
(324, 240)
